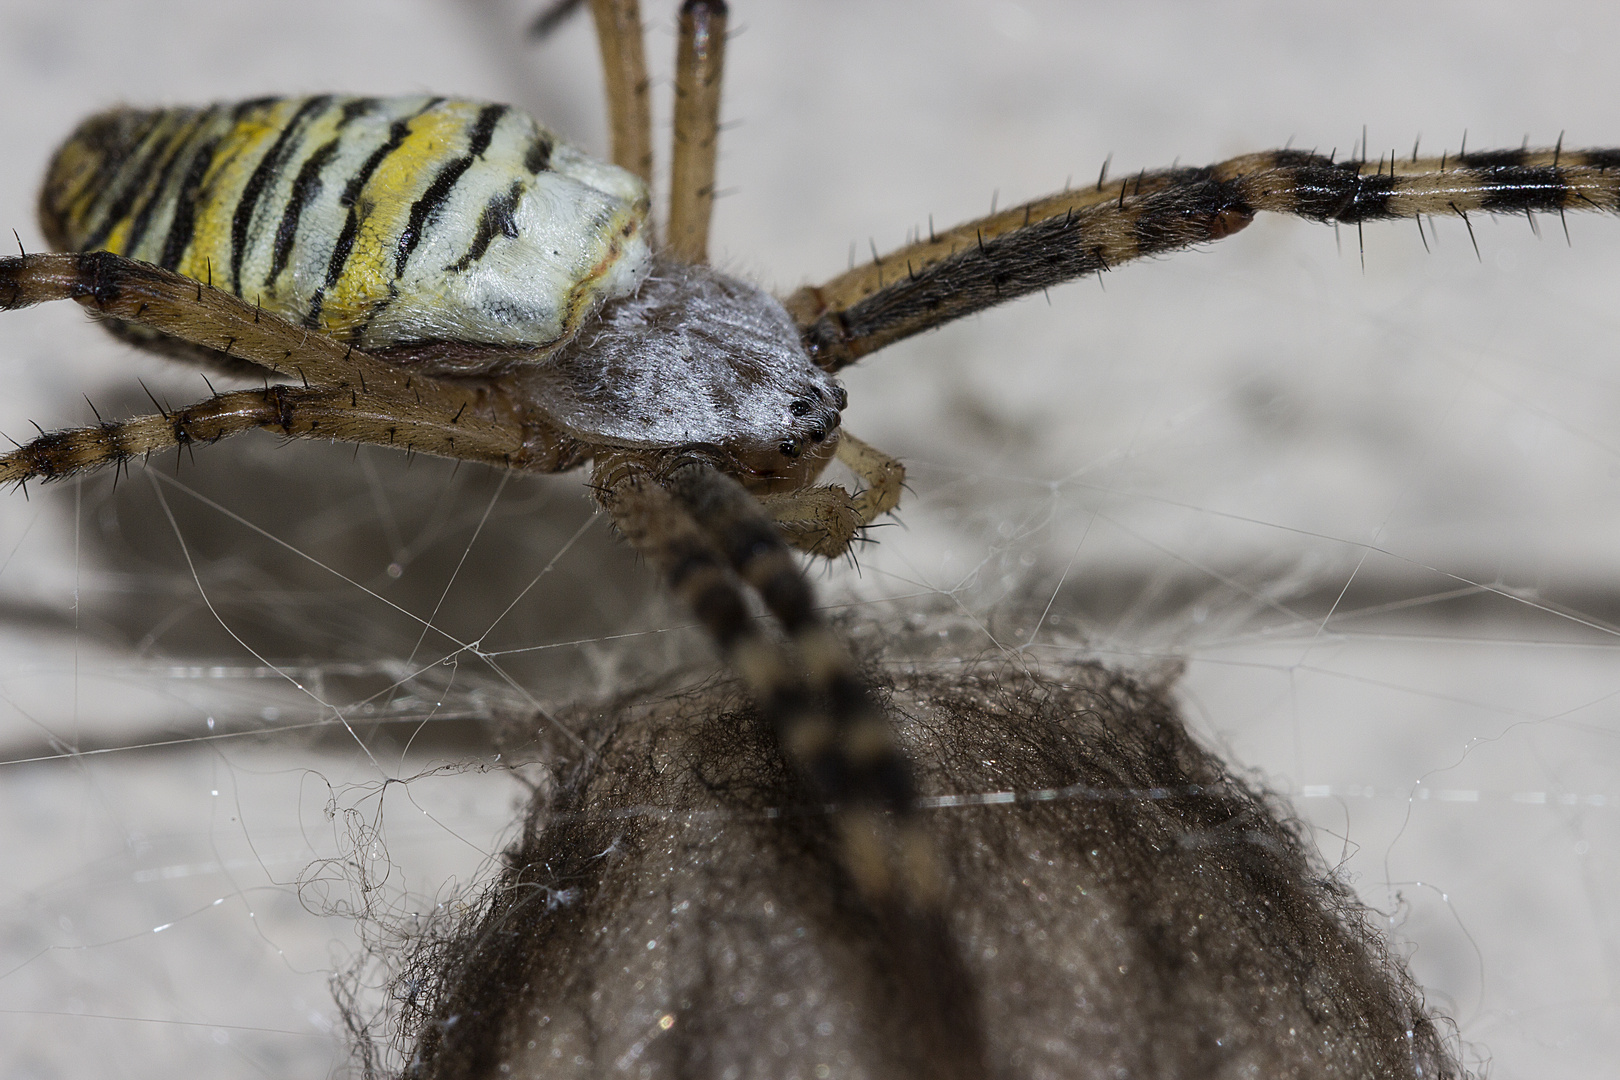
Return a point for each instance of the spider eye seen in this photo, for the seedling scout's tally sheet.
(840, 399)
(790, 447)
(818, 433)
(798, 406)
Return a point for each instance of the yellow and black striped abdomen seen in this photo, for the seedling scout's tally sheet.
(381, 221)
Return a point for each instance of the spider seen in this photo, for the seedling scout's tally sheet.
(447, 277)
(684, 505)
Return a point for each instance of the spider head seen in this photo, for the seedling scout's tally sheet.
(697, 358)
(805, 447)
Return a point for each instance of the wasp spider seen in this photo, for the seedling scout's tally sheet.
(449, 277)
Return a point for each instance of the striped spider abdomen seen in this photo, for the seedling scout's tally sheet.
(379, 221)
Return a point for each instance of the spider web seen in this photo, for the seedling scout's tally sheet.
(246, 704)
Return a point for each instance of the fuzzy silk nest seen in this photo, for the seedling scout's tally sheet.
(1119, 904)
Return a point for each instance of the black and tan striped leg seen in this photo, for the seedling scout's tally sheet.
(312, 413)
(624, 70)
(193, 312)
(699, 65)
(704, 532)
(846, 746)
(1075, 233)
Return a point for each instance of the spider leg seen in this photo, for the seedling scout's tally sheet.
(819, 520)
(849, 748)
(882, 474)
(699, 61)
(703, 531)
(1074, 233)
(624, 69)
(189, 311)
(298, 412)
(825, 520)
(700, 528)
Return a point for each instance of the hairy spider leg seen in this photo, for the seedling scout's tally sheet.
(116, 287)
(826, 520)
(1051, 240)
(882, 475)
(345, 394)
(624, 71)
(309, 413)
(699, 529)
(704, 532)
(700, 59)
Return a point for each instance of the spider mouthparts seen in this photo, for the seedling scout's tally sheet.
(787, 465)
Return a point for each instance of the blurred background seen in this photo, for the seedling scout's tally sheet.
(1364, 493)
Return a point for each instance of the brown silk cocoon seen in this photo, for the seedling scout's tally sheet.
(1131, 908)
